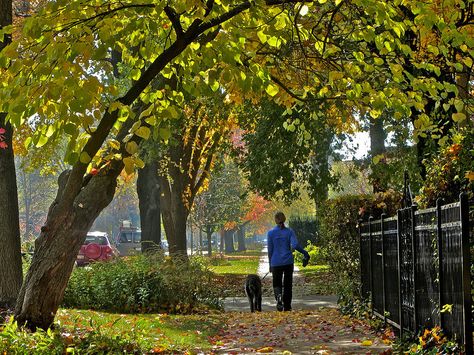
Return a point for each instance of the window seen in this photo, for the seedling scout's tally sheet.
(97, 239)
(137, 237)
(125, 237)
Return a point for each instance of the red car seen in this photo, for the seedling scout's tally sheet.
(96, 247)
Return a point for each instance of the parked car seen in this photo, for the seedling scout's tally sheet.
(128, 240)
(96, 247)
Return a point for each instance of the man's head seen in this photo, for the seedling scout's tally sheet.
(280, 219)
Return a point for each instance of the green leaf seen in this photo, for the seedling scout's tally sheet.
(195, 45)
(27, 142)
(274, 41)
(42, 141)
(85, 158)
(143, 132)
(164, 133)
(262, 36)
(139, 163)
(131, 147)
(459, 104)
(115, 106)
(458, 117)
(129, 165)
(214, 86)
(70, 128)
(135, 74)
(272, 90)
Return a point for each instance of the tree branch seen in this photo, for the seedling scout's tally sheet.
(174, 18)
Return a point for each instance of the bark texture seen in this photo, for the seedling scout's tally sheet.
(56, 249)
(175, 214)
(209, 240)
(229, 241)
(148, 189)
(241, 238)
(377, 147)
(10, 244)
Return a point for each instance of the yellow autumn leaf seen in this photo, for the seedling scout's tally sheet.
(366, 343)
(469, 175)
(266, 349)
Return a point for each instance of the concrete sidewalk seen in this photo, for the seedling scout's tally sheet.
(301, 300)
(241, 304)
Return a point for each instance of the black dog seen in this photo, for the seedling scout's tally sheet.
(253, 290)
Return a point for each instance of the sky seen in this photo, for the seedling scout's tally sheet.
(358, 148)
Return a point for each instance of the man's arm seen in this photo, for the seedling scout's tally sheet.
(269, 247)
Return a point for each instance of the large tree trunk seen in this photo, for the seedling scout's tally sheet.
(209, 240)
(241, 238)
(175, 215)
(56, 249)
(10, 250)
(321, 174)
(377, 147)
(148, 189)
(222, 238)
(229, 241)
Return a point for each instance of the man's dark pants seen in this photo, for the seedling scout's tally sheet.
(283, 278)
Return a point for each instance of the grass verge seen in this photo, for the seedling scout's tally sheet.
(91, 332)
(235, 265)
(320, 279)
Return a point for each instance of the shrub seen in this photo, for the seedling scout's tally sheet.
(306, 229)
(450, 172)
(340, 235)
(315, 254)
(152, 283)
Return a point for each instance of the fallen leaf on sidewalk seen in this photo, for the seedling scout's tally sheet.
(266, 349)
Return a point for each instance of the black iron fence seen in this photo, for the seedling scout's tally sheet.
(415, 267)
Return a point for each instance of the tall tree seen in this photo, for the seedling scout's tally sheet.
(148, 189)
(197, 137)
(10, 251)
(64, 56)
(83, 192)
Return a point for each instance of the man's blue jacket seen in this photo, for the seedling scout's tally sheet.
(281, 242)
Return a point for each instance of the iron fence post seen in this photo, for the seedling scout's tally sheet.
(466, 273)
(371, 279)
(439, 235)
(361, 288)
(399, 256)
(382, 220)
(414, 256)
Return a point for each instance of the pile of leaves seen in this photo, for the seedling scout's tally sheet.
(152, 283)
(429, 342)
(322, 331)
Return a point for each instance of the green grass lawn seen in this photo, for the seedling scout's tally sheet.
(149, 331)
(239, 266)
(252, 252)
(91, 332)
(320, 278)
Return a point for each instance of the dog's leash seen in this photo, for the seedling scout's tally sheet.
(263, 278)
